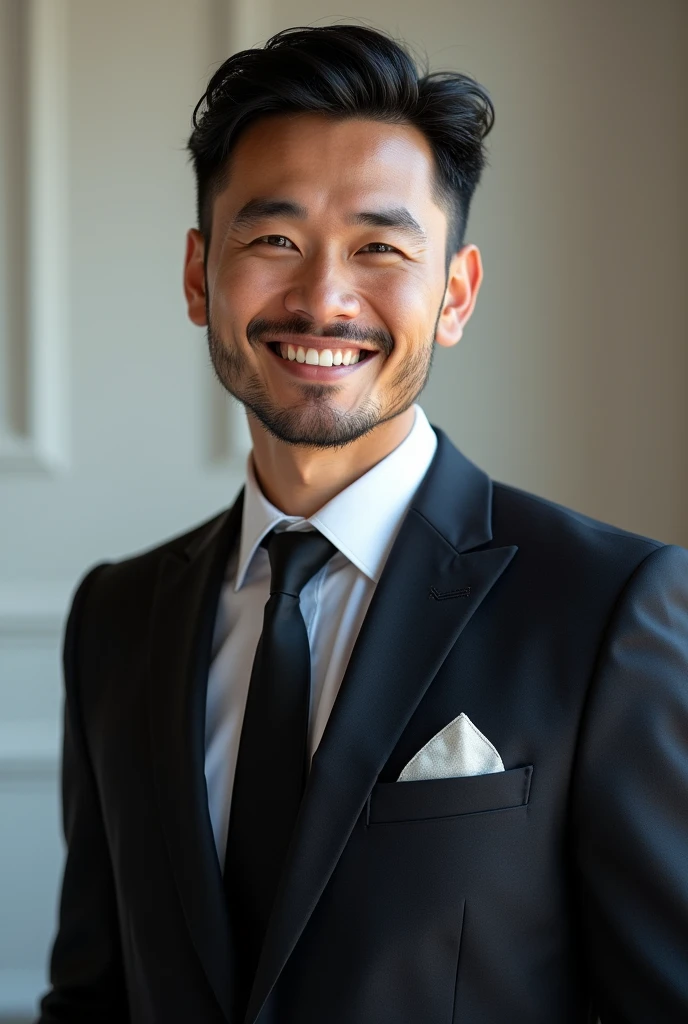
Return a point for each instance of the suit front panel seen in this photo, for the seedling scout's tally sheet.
(163, 975)
(418, 907)
(434, 887)
(497, 882)
(427, 894)
(442, 879)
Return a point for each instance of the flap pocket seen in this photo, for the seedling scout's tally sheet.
(442, 798)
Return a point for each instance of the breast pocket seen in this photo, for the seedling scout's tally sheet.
(444, 798)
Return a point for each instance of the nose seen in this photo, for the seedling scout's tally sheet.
(322, 293)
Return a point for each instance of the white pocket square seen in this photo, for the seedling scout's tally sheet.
(458, 749)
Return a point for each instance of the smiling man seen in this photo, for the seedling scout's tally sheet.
(386, 741)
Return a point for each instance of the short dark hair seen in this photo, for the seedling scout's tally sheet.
(344, 71)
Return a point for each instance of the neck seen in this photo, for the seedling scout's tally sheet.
(299, 480)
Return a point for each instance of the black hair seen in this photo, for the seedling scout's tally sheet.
(344, 71)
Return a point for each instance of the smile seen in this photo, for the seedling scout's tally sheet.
(320, 356)
(319, 363)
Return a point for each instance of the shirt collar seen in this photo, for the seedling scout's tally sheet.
(362, 521)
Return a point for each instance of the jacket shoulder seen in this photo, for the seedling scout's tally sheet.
(537, 523)
(128, 583)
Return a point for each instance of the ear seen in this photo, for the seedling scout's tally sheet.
(194, 277)
(463, 283)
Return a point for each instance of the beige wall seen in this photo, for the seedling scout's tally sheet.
(570, 381)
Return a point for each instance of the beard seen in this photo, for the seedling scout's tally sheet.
(317, 422)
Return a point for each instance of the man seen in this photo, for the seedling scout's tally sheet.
(385, 742)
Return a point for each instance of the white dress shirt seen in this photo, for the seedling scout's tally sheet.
(362, 521)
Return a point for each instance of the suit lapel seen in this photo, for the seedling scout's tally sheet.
(183, 616)
(430, 588)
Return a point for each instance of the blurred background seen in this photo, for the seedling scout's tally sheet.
(571, 380)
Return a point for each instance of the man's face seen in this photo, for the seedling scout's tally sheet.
(326, 243)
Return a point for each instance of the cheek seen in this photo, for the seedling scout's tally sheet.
(404, 302)
(246, 286)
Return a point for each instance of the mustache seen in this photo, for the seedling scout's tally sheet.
(259, 328)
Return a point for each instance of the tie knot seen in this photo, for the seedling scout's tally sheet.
(295, 557)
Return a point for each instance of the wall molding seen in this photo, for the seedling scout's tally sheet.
(32, 616)
(43, 445)
(230, 439)
(29, 750)
(33, 610)
(237, 25)
(19, 993)
(248, 24)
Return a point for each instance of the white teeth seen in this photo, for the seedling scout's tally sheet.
(319, 357)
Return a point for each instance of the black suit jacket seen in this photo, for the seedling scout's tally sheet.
(552, 892)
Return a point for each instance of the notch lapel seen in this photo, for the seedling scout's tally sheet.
(183, 617)
(410, 627)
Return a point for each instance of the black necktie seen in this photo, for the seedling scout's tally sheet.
(272, 763)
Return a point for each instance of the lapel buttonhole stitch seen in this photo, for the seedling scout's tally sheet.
(463, 592)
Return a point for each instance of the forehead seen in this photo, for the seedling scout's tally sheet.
(328, 164)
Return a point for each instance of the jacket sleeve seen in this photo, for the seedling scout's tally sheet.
(630, 802)
(86, 976)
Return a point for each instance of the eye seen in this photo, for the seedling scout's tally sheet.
(277, 241)
(379, 247)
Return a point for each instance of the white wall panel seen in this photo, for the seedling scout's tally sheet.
(33, 367)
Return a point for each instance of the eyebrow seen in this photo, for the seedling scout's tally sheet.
(259, 209)
(262, 208)
(394, 217)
